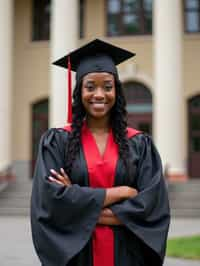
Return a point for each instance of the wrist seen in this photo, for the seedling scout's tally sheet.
(122, 192)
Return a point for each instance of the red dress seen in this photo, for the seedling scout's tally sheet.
(101, 170)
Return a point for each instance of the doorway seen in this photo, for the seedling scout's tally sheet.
(40, 124)
(194, 137)
(139, 106)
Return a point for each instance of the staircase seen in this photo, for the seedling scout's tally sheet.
(185, 199)
(15, 198)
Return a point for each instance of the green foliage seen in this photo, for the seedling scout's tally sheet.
(184, 247)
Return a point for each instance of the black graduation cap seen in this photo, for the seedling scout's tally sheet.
(96, 56)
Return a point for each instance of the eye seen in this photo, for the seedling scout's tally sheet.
(108, 87)
(90, 87)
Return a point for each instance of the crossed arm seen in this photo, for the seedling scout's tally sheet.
(113, 195)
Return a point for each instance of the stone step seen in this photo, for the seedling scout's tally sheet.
(186, 204)
(192, 213)
(14, 194)
(185, 198)
(17, 202)
(184, 188)
(14, 211)
(18, 185)
(189, 196)
(15, 198)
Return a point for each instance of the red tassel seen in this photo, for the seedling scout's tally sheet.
(69, 119)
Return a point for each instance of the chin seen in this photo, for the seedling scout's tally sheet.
(99, 115)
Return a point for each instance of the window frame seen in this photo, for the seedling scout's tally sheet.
(82, 6)
(38, 33)
(186, 10)
(141, 13)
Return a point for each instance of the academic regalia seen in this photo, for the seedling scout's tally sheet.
(64, 218)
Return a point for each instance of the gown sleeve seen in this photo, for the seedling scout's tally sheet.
(147, 215)
(62, 218)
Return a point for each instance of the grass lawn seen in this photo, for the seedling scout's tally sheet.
(184, 247)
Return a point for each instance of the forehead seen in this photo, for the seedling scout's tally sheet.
(98, 76)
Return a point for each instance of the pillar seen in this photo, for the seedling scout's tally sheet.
(168, 97)
(6, 42)
(64, 37)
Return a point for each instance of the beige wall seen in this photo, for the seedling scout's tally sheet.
(93, 18)
(191, 62)
(31, 67)
(31, 78)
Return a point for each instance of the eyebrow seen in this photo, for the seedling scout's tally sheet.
(89, 81)
(110, 80)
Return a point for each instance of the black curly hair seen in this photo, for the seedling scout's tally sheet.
(118, 122)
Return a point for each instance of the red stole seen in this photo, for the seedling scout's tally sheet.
(101, 170)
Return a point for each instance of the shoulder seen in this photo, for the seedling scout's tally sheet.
(139, 140)
(53, 136)
(131, 132)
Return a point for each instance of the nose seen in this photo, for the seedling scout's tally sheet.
(99, 93)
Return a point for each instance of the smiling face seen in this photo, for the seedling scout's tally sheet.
(98, 94)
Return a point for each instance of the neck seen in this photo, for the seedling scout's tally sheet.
(98, 125)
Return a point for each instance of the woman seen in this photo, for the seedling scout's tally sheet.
(98, 196)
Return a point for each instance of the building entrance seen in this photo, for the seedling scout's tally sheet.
(139, 106)
(194, 137)
(39, 126)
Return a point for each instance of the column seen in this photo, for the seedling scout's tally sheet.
(64, 37)
(6, 42)
(168, 97)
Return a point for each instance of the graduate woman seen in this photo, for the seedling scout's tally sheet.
(99, 197)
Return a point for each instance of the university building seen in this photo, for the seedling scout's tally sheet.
(161, 84)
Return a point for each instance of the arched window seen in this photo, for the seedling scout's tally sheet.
(139, 106)
(194, 136)
(39, 125)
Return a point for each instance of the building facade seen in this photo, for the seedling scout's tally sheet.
(161, 84)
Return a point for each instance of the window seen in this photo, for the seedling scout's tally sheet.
(192, 15)
(81, 18)
(41, 20)
(129, 17)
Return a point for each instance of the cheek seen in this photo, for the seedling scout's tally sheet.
(84, 95)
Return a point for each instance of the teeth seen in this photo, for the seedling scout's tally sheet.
(98, 105)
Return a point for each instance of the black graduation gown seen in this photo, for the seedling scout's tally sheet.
(63, 218)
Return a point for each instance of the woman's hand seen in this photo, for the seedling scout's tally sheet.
(113, 195)
(116, 194)
(107, 217)
(58, 178)
(128, 192)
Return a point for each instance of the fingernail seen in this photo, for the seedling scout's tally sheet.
(50, 177)
(53, 171)
(61, 169)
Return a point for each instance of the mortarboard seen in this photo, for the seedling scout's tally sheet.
(95, 56)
